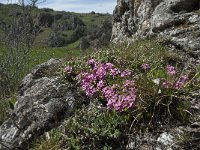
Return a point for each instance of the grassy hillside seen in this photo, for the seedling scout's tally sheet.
(56, 34)
(50, 22)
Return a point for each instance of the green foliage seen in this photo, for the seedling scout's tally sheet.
(159, 104)
(90, 127)
(52, 142)
(3, 111)
(94, 128)
(5, 105)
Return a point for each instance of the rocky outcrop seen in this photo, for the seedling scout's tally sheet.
(45, 19)
(177, 21)
(43, 102)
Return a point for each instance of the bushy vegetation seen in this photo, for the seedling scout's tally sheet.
(59, 28)
(130, 88)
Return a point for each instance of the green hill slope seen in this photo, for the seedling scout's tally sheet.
(59, 28)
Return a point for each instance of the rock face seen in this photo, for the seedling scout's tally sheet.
(175, 20)
(42, 103)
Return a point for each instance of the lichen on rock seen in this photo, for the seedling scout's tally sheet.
(42, 103)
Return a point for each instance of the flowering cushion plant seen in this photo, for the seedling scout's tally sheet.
(110, 83)
(115, 86)
(113, 83)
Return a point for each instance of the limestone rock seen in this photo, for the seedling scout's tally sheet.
(165, 140)
(175, 20)
(42, 104)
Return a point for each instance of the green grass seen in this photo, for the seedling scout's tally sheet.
(40, 39)
(93, 19)
(40, 55)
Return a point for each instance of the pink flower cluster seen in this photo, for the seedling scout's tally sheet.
(177, 84)
(96, 83)
(171, 70)
(181, 82)
(146, 66)
(68, 69)
(122, 101)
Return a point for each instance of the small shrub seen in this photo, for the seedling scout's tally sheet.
(94, 128)
(45, 19)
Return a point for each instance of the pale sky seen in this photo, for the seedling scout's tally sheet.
(81, 6)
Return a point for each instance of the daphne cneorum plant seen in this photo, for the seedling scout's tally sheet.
(105, 81)
(116, 87)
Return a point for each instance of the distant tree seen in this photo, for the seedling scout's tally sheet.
(35, 2)
(45, 19)
(79, 32)
(92, 12)
(76, 22)
(100, 36)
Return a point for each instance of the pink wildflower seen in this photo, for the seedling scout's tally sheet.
(181, 82)
(121, 102)
(114, 72)
(100, 71)
(183, 79)
(109, 66)
(100, 85)
(126, 72)
(92, 63)
(108, 92)
(146, 66)
(171, 70)
(91, 92)
(68, 69)
(128, 83)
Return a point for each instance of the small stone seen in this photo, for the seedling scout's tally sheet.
(195, 125)
(165, 140)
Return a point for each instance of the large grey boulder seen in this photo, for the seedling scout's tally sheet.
(43, 102)
(177, 21)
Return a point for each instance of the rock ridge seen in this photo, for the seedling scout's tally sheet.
(177, 21)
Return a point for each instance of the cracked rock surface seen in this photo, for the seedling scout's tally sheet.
(43, 102)
(178, 21)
